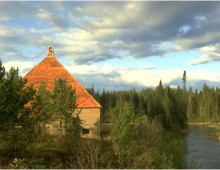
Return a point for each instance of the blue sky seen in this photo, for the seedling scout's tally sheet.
(116, 45)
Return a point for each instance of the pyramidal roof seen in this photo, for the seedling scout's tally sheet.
(49, 70)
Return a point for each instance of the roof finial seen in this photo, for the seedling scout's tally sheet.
(50, 52)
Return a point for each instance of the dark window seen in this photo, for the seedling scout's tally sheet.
(85, 131)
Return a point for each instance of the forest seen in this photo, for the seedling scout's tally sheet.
(146, 127)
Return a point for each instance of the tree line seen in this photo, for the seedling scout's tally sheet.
(164, 104)
(172, 106)
(204, 106)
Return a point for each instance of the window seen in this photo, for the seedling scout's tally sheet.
(85, 131)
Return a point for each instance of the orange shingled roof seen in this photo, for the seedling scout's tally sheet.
(49, 70)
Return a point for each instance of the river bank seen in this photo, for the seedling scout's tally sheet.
(204, 123)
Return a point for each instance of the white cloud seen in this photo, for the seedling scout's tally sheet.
(205, 59)
(91, 69)
(23, 66)
(43, 31)
(147, 78)
(202, 60)
(11, 31)
(151, 78)
(142, 75)
(212, 53)
(208, 48)
(203, 74)
(43, 14)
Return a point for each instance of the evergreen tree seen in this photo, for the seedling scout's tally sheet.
(123, 130)
(142, 105)
(64, 109)
(190, 112)
(14, 97)
(42, 108)
(184, 80)
(2, 71)
(160, 85)
(134, 100)
(15, 122)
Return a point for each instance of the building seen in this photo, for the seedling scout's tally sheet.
(49, 70)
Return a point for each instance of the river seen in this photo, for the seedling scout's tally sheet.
(203, 152)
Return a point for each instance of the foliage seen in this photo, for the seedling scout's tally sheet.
(15, 121)
(124, 125)
(18, 164)
(184, 80)
(145, 145)
(204, 106)
(64, 105)
(14, 96)
(169, 106)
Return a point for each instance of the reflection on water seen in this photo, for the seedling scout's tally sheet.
(202, 151)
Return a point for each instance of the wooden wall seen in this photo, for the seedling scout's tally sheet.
(90, 120)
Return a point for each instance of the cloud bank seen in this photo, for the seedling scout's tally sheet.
(118, 30)
(90, 33)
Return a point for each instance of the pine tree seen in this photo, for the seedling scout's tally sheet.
(190, 113)
(42, 108)
(184, 80)
(134, 100)
(15, 123)
(2, 71)
(123, 130)
(142, 105)
(64, 108)
(14, 97)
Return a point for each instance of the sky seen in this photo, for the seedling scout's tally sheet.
(116, 45)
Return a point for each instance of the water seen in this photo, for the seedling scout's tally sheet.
(203, 152)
